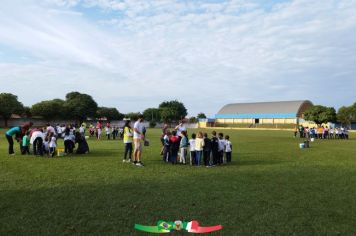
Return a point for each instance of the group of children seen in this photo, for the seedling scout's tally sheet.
(322, 132)
(201, 149)
(44, 140)
(110, 131)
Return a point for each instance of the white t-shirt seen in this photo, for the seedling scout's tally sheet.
(192, 145)
(81, 130)
(139, 126)
(107, 130)
(36, 134)
(221, 144)
(59, 130)
(227, 146)
(45, 145)
(52, 143)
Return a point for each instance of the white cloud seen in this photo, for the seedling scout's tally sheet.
(204, 54)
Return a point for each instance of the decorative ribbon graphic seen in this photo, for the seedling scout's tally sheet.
(167, 226)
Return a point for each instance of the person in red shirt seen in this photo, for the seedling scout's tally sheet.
(175, 142)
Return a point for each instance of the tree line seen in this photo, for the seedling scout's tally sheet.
(79, 107)
(322, 114)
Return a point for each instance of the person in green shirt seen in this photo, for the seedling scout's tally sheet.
(25, 145)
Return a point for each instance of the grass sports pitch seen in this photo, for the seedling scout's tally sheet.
(271, 188)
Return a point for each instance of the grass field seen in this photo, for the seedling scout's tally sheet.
(271, 188)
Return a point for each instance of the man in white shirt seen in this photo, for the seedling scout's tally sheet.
(138, 136)
(180, 128)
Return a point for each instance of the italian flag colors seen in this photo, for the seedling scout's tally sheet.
(167, 227)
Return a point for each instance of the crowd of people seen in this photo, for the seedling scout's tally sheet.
(201, 150)
(322, 132)
(44, 140)
(113, 132)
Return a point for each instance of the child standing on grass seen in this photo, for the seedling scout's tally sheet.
(52, 145)
(107, 131)
(221, 148)
(25, 145)
(207, 150)
(166, 146)
(192, 149)
(175, 141)
(199, 145)
(46, 146)
(228, 148)
(215, 148)
(184, 143)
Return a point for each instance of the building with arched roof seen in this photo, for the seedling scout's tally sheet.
(287, 112)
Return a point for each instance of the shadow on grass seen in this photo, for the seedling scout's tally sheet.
(243, 205)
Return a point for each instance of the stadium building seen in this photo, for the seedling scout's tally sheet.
(288, 112)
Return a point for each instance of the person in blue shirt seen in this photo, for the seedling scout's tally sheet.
(11, 132)
(19, 132)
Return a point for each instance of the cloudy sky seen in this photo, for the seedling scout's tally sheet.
(134, 54)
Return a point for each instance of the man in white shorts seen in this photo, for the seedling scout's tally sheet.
(138, 136)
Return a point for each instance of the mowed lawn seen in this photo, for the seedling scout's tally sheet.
(271, 188)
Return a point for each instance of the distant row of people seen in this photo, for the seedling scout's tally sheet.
(322, 132)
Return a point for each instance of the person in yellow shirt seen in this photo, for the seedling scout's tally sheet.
(320, 132)
(127, 141)
(199, 145)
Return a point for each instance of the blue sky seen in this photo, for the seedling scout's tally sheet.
(134, 54)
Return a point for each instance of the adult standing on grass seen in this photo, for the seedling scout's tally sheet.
(19, 132)
(138, 137)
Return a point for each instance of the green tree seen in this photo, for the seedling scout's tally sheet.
(109, 113)
(152, 114)
(49, 110)
(201, 116)
(80, 106)
(172, 111)
(320, 114)
(27, 112)
(132, 115)
(193, 119)
(9, 105)
(346, 115)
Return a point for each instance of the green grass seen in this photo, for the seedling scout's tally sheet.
(271, 188)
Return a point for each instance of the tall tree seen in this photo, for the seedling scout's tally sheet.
(172, 111)
(9, 105)
(201, 115)
(320, 114)
(109, 113)
(346, 115)
(80, 106)
(152, 114)
(49, 110)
